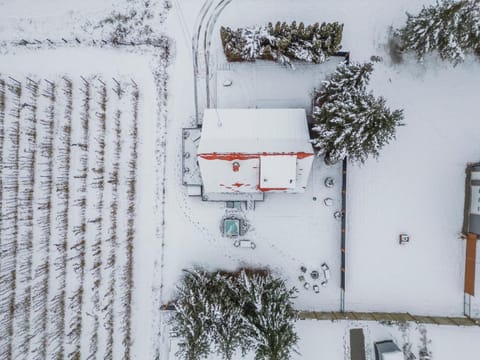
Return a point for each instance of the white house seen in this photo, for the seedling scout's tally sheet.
(254, 151)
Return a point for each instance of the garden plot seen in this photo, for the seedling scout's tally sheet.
(72, 179)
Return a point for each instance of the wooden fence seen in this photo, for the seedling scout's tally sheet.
(389, 317)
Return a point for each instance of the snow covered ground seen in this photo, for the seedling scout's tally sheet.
(51, 18)
(252, 83)
(331, 340)
(289, 230)
(416, 187)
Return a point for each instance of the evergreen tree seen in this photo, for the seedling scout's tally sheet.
(348, 120)
(450, 28)
(269, 310)
(192, 321)
(234, 312)
(230, 328)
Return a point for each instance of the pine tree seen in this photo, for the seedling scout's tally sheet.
(348, 120)
(269, 310)
(345, 80)
(230, 328)
(234, 312)
(450, 28)
(192, 321)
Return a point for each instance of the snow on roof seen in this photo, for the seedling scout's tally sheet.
(397, 355)
(253, 131)
(278, 172)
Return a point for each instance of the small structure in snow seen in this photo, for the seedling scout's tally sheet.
(337, 215)
(326, 273)
(231, 227)
(473, 200)
(357, 344)
(404, 239)
(244, 243)
(329, 182)
(246, 152)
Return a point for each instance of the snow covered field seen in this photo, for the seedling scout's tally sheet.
(75, 204)
(417, 186)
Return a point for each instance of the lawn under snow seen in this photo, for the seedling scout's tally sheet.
(417, 187)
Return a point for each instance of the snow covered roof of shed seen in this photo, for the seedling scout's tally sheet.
(254, 131)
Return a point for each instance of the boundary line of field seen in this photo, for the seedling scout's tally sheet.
(388, 318)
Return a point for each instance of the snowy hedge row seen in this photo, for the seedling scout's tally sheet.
(450, 28)
(229, 313)
(283, 42)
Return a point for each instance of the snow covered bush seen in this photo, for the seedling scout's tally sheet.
(450, 28)
(137, 23)
(348, 120)
(227, 312)
(282, 42)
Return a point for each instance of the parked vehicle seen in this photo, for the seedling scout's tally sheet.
(387, 350)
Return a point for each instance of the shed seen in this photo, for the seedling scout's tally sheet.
(254, 151)
(474, 208)
(357, 344)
